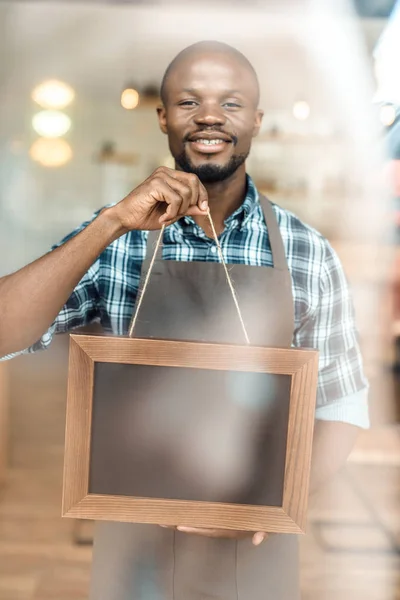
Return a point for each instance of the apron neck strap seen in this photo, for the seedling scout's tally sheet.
(274, 234)
(275, 238)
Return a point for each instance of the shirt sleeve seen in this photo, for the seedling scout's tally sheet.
(80, 309)
(342, 393)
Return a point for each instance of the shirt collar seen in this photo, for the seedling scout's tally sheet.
(249, 203)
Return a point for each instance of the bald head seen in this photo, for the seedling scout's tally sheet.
(210, 111)
(212, 49)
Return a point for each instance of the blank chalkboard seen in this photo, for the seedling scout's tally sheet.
(189, 434)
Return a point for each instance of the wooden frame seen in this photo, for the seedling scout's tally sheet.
(301, 365)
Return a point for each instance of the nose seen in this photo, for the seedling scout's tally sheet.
(210, 115)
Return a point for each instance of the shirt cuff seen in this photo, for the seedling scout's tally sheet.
(41, 344)
(10, 356)
(352, 409)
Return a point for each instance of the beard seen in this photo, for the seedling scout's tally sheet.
(208, 172)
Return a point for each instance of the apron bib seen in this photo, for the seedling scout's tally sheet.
(192, 301)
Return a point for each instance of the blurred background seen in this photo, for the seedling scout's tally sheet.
(78, 129)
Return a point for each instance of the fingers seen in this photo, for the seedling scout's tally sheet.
(165, 196)
(200, 192)
(193, 211)
(197, 531)
(187, 195)
(212, 533)
(259, 538)
(202, 196)
(162, 192)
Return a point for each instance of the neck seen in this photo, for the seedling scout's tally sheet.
(224, 198)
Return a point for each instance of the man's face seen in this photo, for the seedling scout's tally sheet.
(210, 115)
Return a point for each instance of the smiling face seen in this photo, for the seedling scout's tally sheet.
(210, 113)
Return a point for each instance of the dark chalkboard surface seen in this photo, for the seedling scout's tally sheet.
(189, 434)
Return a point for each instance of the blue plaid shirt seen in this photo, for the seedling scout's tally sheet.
(324, 316)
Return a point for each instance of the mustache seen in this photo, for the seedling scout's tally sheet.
(233, 137)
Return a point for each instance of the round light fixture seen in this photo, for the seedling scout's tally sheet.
(53, 94)
(301, 110)
(130, 99)
(51, 123)
(387, 115)
(51, 153)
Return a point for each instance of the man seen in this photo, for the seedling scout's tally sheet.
(291, 290)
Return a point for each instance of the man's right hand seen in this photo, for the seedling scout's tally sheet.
(166, 196)
(32, 297)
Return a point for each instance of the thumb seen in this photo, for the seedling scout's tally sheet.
(259, 537)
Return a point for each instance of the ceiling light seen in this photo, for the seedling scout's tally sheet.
(51, 153)
(301, 110)
(130, 98)
(51, 123)
(387, 114)
(53, 94)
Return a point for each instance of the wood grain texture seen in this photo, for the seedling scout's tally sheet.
(299, 442)
(199, 355)
(302, 365)
(181, 512)
(78, 426)
(4, 419)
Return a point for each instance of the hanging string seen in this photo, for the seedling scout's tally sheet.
(146, 281)
(229, 280)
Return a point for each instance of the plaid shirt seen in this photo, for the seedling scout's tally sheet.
(324, 316)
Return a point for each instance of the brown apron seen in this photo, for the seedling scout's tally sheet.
(192, 301)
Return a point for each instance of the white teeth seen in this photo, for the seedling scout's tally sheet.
(210, 142)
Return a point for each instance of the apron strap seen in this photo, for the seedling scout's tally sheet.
(274, 234)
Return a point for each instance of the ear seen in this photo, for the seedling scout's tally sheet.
(257, 122)
(162, 118)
